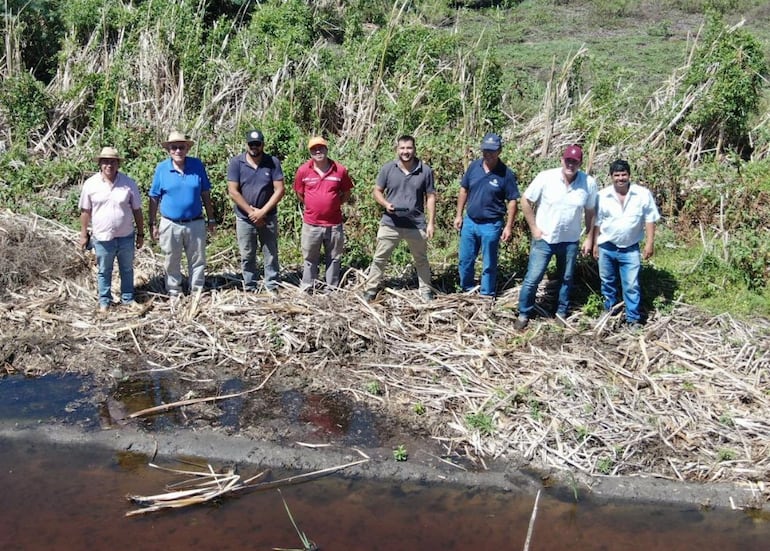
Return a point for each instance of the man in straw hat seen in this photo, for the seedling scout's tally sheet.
(322, 186)
(255, 184)
(111, 203)
(180, 191)
(562, 196)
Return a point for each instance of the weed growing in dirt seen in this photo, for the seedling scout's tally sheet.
(594, 305)
(374, 388)
(726, 454)
(400, 453)
(605, 465)
(482, 422)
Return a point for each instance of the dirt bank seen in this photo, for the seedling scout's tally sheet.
(683, 400)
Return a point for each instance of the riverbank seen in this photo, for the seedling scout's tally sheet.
(682, 401)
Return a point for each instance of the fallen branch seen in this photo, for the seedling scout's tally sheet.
(180, 403)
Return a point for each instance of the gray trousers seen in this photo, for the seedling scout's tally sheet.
(332, 238)
(249, 238)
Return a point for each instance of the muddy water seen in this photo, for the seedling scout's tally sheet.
(70, 498)
(73, 498)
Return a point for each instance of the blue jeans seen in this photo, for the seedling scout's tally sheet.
(475, 237)
(121, 248)
(626, 263)
(540, 254)
(249, 236)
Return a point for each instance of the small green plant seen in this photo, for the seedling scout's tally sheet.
(400, 453)
(583, 433)
(727, 420)
(725, 454)
(535, 410)
(481, 422)
(594, 306)
(605, 465)
(374, 388)
(419, 408)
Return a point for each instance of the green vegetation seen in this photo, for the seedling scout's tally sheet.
(623, 78)
(374, 388)
(400, 453)
(481, 422)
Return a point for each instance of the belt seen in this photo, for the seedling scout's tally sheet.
(486, 220)
(183, 220)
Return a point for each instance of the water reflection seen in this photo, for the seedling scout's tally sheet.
(74, 498)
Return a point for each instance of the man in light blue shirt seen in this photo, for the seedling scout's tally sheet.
(626, 212)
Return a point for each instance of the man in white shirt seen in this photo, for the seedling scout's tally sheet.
(625, 213)
(553, 205)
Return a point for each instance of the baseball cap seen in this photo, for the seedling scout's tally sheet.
(254, 136)
(573, 152)
(316, 140)
(491, 142)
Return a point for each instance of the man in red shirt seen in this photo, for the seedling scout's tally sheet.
(322, 186)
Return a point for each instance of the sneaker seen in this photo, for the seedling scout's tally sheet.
(271, 291)
(369, 296)
(561, 319)
(635, 325)
(521, 323)
(427, 296)
(133, 306)
(103, 308)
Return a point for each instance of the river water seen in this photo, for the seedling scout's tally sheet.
(68, 498)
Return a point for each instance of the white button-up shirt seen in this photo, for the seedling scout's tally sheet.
(560, 206)
(623, 225)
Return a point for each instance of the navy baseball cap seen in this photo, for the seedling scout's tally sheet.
(491, 142)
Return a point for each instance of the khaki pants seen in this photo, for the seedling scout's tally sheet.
(388, 239)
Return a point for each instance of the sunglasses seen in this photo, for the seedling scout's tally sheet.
(177, 147)
(255, 144)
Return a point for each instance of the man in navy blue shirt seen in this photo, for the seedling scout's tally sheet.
(488, 193)
(255, 184)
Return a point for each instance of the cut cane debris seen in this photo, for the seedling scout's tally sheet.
(685, 398)
(207, 485)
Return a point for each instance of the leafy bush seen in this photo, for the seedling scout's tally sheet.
(730, 64)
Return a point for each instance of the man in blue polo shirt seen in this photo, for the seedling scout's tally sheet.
(488, 192)
(180, 190)
(255, 184)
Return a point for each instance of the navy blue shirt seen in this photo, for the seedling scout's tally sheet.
(256, 184)
(488, 192)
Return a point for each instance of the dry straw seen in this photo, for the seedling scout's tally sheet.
(684, 399)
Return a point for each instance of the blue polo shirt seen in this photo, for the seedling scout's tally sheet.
(488, 192)
(180, 192)
(255, 184)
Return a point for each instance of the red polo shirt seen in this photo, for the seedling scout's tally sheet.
(323, 193)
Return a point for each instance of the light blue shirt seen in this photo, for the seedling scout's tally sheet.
(623, 225)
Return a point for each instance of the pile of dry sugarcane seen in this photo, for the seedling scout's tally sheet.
(685, 398)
